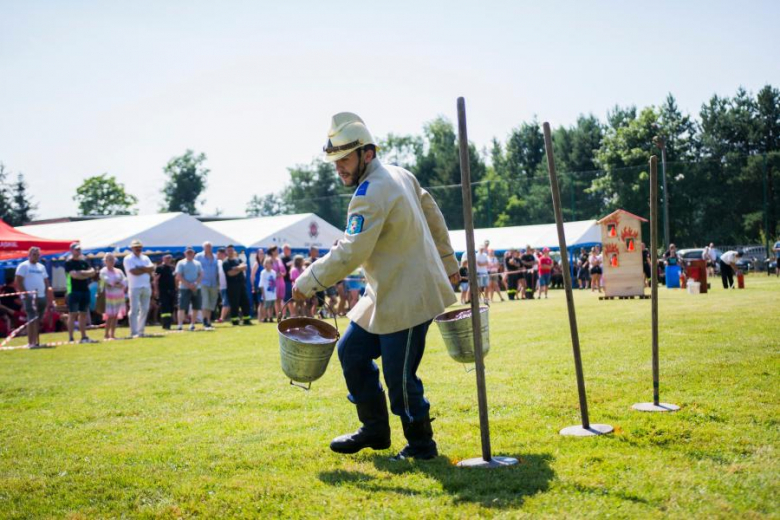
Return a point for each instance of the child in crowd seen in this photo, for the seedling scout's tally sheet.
(268, 287)
(297, 270)
(464, 280)
(545, 271)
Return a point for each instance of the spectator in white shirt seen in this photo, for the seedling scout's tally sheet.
(483, 274)
(31, 275)
(728, 265)
(221, 255)
(139, 271)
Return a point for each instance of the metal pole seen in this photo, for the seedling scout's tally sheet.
(667, 236)
(573, 212)
(654, 262)
(766, 213)
(468, 221)
(490, 217)
(656, 405)
(586, 428)
(487, 460)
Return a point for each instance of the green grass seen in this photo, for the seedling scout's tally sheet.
(207, 425)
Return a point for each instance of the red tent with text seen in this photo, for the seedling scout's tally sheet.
(15, 244)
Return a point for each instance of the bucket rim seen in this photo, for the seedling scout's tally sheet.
(447, 316)
(330, 332)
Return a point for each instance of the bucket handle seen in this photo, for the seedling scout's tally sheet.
(279, 319)
(306, 388)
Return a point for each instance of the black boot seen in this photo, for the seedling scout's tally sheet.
(166, 323)
(375, 432)
(421, 445)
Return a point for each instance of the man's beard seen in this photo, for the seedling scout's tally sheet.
(352, 180)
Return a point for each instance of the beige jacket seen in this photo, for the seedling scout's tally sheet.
(397, 233)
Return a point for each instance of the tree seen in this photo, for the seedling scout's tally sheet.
(268, 205)
(103, 195)
(6, 209)
(575, 150)
(186, 182)
(22, 207)
(315, 188)
(401, 150)
(438, 169)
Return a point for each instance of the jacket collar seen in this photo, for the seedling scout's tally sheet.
(370, 168)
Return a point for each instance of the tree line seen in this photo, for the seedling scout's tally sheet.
(720, 167)
(16, 205)
(721, 170)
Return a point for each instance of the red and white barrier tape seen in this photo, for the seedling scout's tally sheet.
(16, 331)
(103, 340)
(20, 293)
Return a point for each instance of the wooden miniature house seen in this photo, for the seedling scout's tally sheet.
(621, 236)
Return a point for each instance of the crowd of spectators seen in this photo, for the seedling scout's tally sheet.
(207, 287)
(522, 273)
(211, 286)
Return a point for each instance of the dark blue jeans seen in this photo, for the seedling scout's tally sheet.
(401, 355)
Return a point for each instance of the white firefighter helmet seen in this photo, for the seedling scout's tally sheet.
(347, 133)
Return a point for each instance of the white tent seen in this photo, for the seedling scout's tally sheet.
(170, 232)
(301, 231)
(582, 233)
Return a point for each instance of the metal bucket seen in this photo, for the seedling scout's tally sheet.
(458, 334)
(301, 361)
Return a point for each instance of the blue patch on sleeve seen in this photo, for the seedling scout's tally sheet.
(355, 224)
(362, 189)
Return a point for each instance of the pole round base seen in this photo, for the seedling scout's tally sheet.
(495, 462)
(652, 407)
(579, 431)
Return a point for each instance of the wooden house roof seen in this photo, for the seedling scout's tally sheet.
(618, 211)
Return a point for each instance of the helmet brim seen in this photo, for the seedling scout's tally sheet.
(335, 156)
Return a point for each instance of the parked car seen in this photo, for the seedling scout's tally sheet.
(745, 264)
(696, 254)
(771, 266)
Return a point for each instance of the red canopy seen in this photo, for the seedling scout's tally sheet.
(15, 244)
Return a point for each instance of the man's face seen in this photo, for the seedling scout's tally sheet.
(286, 251)
(231, 252)
(314, 253)
(75, 252)
(35, 256)
(190, 255)
(137, 251)
(221, 255)
(347, 168)
(207, 248)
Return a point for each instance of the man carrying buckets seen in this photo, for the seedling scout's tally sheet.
(396, 232)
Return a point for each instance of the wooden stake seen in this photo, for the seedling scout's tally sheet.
(656, 405)
(586, 428)
(654, 271)
(468, 221)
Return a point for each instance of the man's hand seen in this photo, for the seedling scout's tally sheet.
(297, 294)
(455, 277)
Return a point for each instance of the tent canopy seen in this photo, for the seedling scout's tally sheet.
(581, 233)
(301, 231)
(15, 244)
(170, 232)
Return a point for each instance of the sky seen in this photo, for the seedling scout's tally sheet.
(122, 87)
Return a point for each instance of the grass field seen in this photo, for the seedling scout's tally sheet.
(207, 425)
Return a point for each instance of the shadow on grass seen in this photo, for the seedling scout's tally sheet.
(498, 488)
